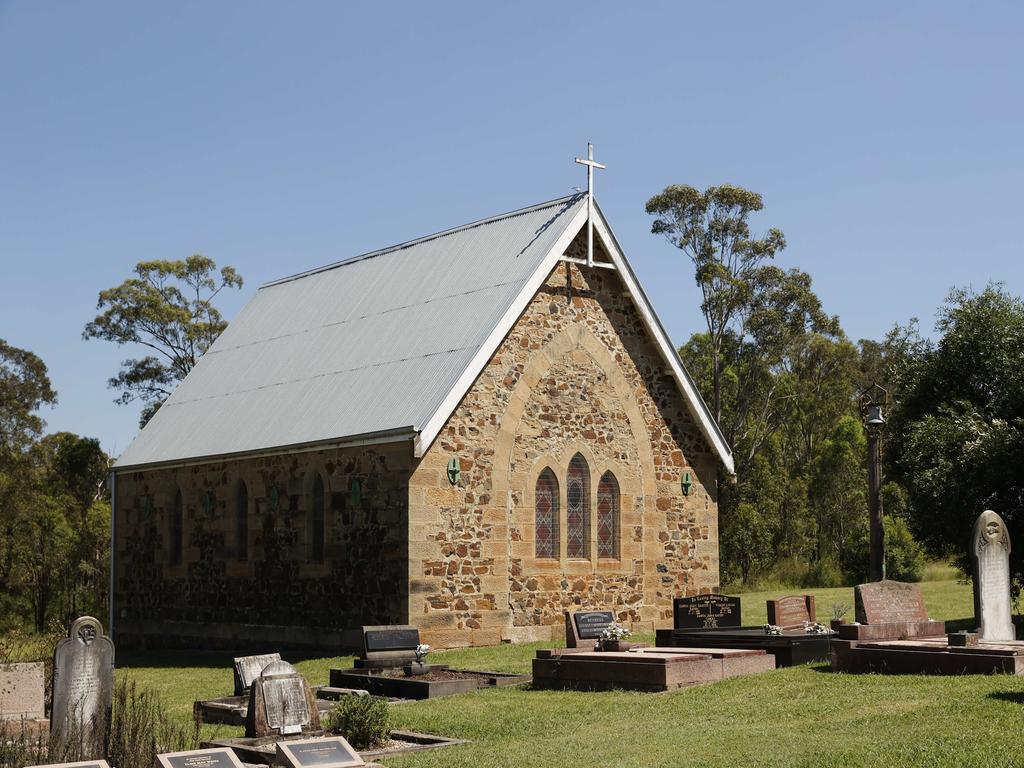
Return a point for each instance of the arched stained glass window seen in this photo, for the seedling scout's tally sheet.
(608, 516)
(177, 527)
(316, 521)
(577, 508)
(546, 515)
(242, 522)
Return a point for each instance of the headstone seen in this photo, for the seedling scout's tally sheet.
(991, 552)
(584, 628)
(884, 602)
(791, 611)
(80, 764)
(388, 646)
(281, 703)
(706, 612)
(83, 688)
(221, 757)
(328, 752)
(248, 668)
(21, 690)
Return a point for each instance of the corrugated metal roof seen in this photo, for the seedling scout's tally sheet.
(369, 345)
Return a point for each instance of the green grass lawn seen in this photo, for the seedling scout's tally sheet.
(796, 717)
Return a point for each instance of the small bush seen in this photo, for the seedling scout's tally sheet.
(141, 728)
(18, 748)
(824, 573)
(904, 556)
(362, 720)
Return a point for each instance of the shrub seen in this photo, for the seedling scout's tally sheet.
(362, 720)
(141, 728)
(904, 556)
(823, 573)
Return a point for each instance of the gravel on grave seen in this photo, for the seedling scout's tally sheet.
(436, 675)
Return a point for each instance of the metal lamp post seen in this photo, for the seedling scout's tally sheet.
(871, 401)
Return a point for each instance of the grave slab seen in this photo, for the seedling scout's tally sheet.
(220, 757)
(325, 752)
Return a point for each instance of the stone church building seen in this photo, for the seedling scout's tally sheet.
(471, 433)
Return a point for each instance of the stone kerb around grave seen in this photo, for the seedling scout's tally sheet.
(83, 688)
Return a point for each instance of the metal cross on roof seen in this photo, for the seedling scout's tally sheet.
(591, 165)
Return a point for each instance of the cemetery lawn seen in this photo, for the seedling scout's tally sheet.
(804, 716)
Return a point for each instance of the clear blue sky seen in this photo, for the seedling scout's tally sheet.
(886, 139)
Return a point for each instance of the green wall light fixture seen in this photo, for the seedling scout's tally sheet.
(454, 471)
(687, 483)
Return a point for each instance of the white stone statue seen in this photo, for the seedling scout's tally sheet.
(992, 574)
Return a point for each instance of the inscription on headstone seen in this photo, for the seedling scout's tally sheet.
(83, 687)
(991, 552)
(200, 758)
(331, 752)
(590, 624)
(390, 639)
(791, 611)
(21, 690)
(884, 602)
(248, 668)
(706, 612)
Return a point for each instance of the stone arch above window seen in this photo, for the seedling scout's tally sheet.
(608, 516)
(242, 521)
(316, 519)
(176, 532)
(546, 515)
(577, 508)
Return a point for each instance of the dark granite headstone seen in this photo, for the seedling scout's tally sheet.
(884, 602)
(377, 639)
(200, 758)
(328, 752)
(584, 628)
(248, 668)
(791, 611)
(706, 612)
(83, 688)
(281, 703)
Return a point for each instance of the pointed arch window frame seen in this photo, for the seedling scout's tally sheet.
(176, 525)
(546, 492)
(577, 509)
(242, 522)
(609, 516)
(317, 518)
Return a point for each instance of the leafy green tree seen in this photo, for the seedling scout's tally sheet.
(168, 308)
(712, 229)
(957, 433)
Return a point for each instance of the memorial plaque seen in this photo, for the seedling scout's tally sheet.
(21, 690)
(248, 668)
(330, 752)
(791, 611)
(590, 624)
(706, 612)
(883, 602)
(200, 758)
(82, 764)
(83, 687)
(285, 702)
(992, 601)
(377, 639)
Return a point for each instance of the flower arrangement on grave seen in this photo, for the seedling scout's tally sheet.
(771, 629)
(813, 628)
(612, 635)
(421, 653)
(839, 611)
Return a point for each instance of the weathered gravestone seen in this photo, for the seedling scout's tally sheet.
(21, 691)
(889, 602)
(584, 628)
(83, 688)
(281, 703)
(991, 551)
(200, 758)
(248, 668)
(791, 611)
(328, 752)
(706, 612)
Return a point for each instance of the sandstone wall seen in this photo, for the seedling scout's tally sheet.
(214, 594)
(577, 374)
